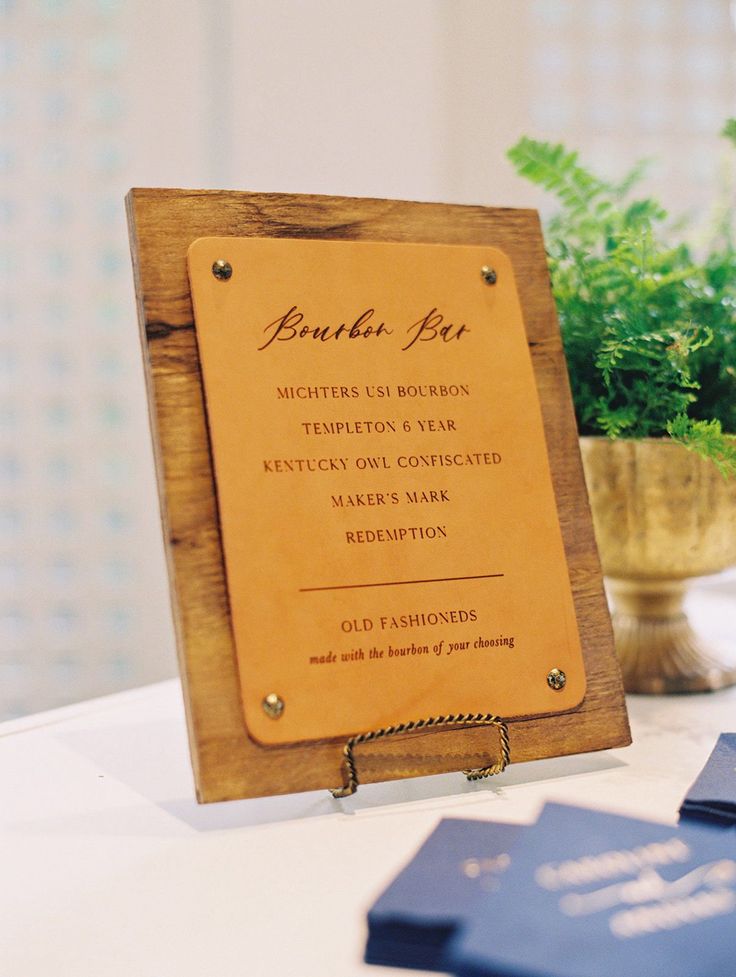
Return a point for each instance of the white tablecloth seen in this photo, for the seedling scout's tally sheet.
(111, 869)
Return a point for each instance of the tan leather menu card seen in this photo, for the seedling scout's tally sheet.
(388, 520)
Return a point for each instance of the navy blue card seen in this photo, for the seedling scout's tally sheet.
(411, 923)
(590, 894)
(712, 797)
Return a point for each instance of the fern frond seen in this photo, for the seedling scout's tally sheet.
(729, 130)
(707, 439)
(555, 169)
(635, 175)
(649, 334)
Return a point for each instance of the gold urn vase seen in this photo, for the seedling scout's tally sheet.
(662, 514)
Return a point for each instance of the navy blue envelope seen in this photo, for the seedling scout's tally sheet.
(712, 797)
(590, 894)
(411, 923)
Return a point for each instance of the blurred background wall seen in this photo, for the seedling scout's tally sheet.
(416, 99)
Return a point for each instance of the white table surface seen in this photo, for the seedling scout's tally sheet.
(109, 867)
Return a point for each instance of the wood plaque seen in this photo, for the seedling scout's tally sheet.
(371, 487)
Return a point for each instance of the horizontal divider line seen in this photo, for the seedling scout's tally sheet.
(398, 583)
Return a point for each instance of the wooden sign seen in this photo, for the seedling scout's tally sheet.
(371, 487)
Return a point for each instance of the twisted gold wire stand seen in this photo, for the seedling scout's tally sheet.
(351, 781)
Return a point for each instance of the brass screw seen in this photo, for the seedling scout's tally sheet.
(488, 275)
(557, 679)
(222, 270)
(273, 705)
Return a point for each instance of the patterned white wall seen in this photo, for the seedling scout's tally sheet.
(83, 600)
(416, 99)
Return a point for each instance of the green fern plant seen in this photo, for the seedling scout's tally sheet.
(649, 332)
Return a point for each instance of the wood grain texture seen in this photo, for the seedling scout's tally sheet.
(227, 763)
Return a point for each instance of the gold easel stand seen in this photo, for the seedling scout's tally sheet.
(350, 784)
(662, 515)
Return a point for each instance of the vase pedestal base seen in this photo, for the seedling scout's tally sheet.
(658, 650)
